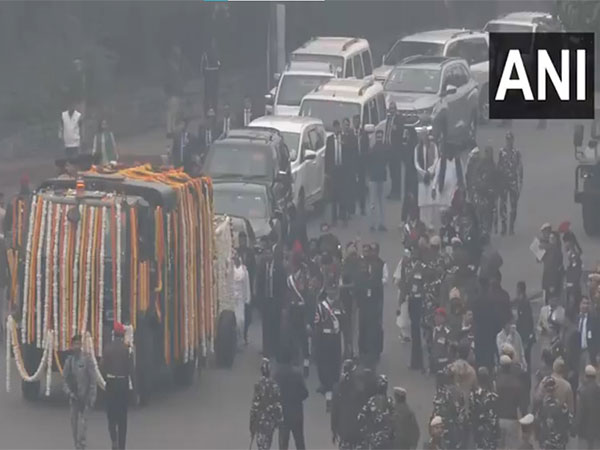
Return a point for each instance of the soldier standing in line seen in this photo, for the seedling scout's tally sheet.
(483, 411)
(440, 343)
(266, 413)
(328, 340)
(449, 403)
(553, 419)
(375, 419)
(117, 365)
(405, 427)
(436, 432)
(510, 171)
(485, 191)
(80, 386)
(414, 293)
(346, 404)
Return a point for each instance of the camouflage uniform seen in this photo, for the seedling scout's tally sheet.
(554, 422)
(435, 276)
(266, 413)
(485, 195)
(80, 386)
(510, 171)
(484, 418)
(449, 404)
(375, 421)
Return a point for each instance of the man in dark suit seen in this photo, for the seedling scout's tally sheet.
(226, 124)
(339, 168)
(362, 139)
(350, 146)
(588, 325)
(394, 138)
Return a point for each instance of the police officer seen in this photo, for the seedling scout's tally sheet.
(375, 419)
(345, 406)
(485, 191)
(329, 243)
(436, 433)
(117, 365)
(483, 403)
(553, 419)
(328, 340)
(449, 403)
(80, 386)
(440, 343)
(266, 413)
(414, 293)
(211, 66)
(405, 426)
(510, 171)
(573, 273)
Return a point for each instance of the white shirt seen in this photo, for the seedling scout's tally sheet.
(583, 330)
(71, 132)
(386, 274)
(241, 285)
(338, 150)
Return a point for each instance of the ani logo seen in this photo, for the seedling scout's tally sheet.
(541, 76)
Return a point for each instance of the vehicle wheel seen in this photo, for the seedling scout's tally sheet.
(31, 360)
(30, 391)
(301, 201)
(226, 340)
(484, 105)
(591, 220)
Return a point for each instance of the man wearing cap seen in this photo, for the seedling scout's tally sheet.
(553, 418)
(426, 161)
(511, 401)
(483, 409)
(375, 418)
(414, 294)
(510, 171)
(440, 343)
(450, 404)
(266, 413)
(405, 428)
(117, 367)
(509, 335)
(80, 386)
(346, 404)
(436, 432)
(526, 432)
(588, 410)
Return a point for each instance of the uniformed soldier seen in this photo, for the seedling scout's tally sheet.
(296, 309)
(440, 347)
(346, 404)
(526, 432)
(553, 419)
(328, 340)
(117, 366)
(405, 427)
(484, 416)
(472, 168)
(211, 66)
(573, 273)
(375, 419)
(266, 413)
(510, 171)
(414, 293)
(80, 386)
(436, 432)
(449, 403)
(485, 191)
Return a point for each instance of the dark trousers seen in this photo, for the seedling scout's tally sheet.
(271, 327)
(415, 311)
(71, 152)
(338, 210)
(329, 359)
(411, 190)
(117, 390)
(296, 428)
(395, 168)
(247, 319)
(506, 196)
(362, 186)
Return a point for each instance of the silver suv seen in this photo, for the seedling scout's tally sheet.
(442, 89)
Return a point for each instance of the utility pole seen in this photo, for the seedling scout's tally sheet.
(275, 41)
(280, 26)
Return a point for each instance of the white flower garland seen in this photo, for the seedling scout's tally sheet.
(88, 271)
(88, 347)
(55, 265)
(38, 279)
(50, 349)
(101, 282)
(63, 281)
(75, 296)
(27, 276)
(44, 361)
(128, 339)
(118, 256)
(186, 329)
(49, 261)
(7, 362)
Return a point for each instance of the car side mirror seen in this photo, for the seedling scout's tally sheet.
(370, 128)
(309, 155)
(269, 99)
(450, 89)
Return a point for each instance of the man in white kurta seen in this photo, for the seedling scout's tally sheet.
(448, 178)
(426, 157)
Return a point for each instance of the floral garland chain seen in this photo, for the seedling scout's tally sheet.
(55, 264)
(119, 289)
(49, 265)
(88, 271)
(66, 233)
(38, 279)
(75, 296)
(101, 282)
(27, 275)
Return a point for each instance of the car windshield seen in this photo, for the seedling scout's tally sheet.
(497, 27)
(337, 62)
(294, 87)
(422, 81)
(292, 140)
(329, 110)
(249, 161)
(250, 205)
(405, 49)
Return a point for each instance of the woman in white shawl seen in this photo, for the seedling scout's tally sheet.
(426, 157)
(241, 292)
(449, 177)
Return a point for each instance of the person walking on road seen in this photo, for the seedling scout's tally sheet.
(483, 410)
(510, 171)
(363, 149)
(525, 324)
(211, 67)
(80, 386)
(293, 393)
(511, 401)
(346, 404)
(436, 434)
(405, 428)
(394, 131)
(376, 162)
(71, 131)
(375, 419)
(266, 413)
(553, 419)
(426, 161)
(588, 410)
(117, 367)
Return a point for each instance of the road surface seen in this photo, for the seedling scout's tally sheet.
(213, 413)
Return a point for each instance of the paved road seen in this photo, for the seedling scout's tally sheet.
(214, 412)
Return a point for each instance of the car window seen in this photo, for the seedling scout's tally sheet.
(366, 118)
(449, 76)
(349, 71)
(373, 111)
(320, 138)
(315, 139)
(367, 63)
(453, 50)
(284, 156)
(381, 106)
(462, 74)
(358, 68)
(306, 143)
(477, 50)
(405, 49)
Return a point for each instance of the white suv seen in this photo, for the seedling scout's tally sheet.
(305, 138)
(339, 99)
(524, 22)
(472, 46)
(298, 79)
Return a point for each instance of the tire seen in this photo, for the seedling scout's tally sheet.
(591, 220)
(226, 340)
(30, 391)
(484, 104)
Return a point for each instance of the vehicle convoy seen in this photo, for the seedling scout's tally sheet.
(438, 88)
(305, 139)
(133, 246)
(472, 46)
(339, 99)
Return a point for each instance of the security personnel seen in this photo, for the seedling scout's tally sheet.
(362, 139)
(449, 403)
(376, 418)
(117, 366)
(345, 407)
(329, 243)
(266, 412)
(328, 341)
(211, 66)
(415, 294)
(554, 420)
(485, 191)
(573, 273)
(510, 171)
(440, 342)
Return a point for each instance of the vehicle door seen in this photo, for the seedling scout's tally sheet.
(316, 135)
(450, 77)
(359, 71)
(283, 166)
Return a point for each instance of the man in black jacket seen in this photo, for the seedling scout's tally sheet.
(293, 393)
(588, 325)
(394, 132)
(362, 139)
(339, 167)
(377, 161)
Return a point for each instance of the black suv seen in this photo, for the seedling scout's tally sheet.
(253, 154)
